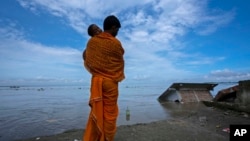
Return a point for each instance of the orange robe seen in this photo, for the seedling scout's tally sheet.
(104, 60)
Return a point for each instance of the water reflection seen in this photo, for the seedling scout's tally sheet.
(177, 109)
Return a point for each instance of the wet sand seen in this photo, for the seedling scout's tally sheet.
(188, 122)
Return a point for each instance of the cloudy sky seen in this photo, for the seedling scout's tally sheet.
(41, 41)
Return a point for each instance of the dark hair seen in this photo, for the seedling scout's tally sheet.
(90, 32)
(111, 21)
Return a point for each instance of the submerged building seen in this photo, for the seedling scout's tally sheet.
(227, 94)
(236, 94)
(188, 92)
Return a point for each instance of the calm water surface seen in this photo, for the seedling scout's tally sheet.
(32, 112)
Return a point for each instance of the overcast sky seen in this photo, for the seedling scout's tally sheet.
(41, 41)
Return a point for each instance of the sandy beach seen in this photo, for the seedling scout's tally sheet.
(199, 123)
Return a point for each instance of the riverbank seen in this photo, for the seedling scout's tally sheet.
(200, 123)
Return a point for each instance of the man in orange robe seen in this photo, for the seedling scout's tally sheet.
(104, 60)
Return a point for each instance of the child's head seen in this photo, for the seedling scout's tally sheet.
(93, 30)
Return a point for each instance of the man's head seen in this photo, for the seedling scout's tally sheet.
(111, 25)
(93, 30)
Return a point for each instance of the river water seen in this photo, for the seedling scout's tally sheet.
(38, 111)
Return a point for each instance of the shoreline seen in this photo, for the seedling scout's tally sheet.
(202, 123)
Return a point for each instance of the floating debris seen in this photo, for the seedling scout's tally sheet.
(226, 130)
(41, 89)
(218, 126)
(14, 87)
(51, 120)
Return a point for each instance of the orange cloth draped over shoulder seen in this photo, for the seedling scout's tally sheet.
(104, 60)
